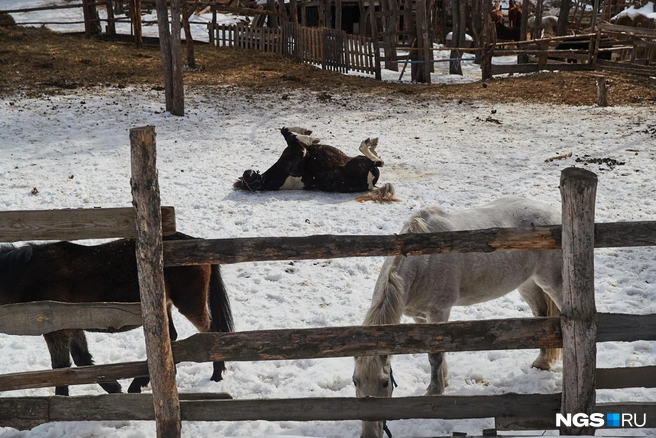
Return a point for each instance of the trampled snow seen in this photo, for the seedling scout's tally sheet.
(74, 148)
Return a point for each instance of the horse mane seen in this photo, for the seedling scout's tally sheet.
(12, 257)
(381, 195)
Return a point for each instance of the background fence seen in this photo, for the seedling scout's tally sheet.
(331, 49)
(511, 411)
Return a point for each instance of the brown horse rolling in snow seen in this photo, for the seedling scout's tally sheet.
(305, 164)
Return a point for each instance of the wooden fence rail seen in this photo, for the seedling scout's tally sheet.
(513, 333)
(250, 249)
(538, 410)
(331, 49)
(75, 224)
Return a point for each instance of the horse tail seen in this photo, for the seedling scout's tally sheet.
(553, 354)
(220, 312)
(387, 304)
(382, 195)
(219, 303)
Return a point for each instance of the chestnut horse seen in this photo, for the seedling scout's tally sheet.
(67, 272)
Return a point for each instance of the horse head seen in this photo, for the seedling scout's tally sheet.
(372, 377)
(251, 180)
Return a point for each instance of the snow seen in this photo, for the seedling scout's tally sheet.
(74, 147)
(632, 12)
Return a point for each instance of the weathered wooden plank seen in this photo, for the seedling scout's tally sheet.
(249, 249)
(150, 266)
(548, 421)
(88, 223)
(127, 407)
(23, 413)
(496, 334)
(38, 318)
(72, 376)
(618, 327)
(611, 327)
(635, 377)
(579, 315)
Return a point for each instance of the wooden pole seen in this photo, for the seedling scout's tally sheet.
(177, 60)
(165, 49)
(578, 313)
(602, 99)
(150, 266)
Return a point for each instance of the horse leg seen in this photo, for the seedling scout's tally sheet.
(437, 362)
(59, 344)
(541, 305)
(367, 148)
(142, 382)
(82, 357)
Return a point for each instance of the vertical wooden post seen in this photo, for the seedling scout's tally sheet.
(454, 64)
(602, 99)
(177, 59)
(150, 266)
(171, 49)
(578, 314)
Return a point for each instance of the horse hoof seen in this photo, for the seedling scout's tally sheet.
(112, 388)
(541, 364)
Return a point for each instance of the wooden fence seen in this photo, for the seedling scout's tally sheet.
(579, 324)
(610, 47)
(331, 49)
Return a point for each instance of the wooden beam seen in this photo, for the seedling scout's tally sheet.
(547, 421)
(619, 327)
(578, 313)
(41, 317)
(513, 333)
(249, 249)
(150, 266)
(72, 376)
(633, 377)
(313, 344)
(75, 224)
(134, 407)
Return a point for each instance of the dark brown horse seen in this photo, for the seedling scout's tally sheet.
(64, 271)
(305, 164)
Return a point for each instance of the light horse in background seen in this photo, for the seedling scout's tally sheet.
(549, 23)
(427, 287)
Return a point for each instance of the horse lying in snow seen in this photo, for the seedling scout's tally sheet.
(305, 164)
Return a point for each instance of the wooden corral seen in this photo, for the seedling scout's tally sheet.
(345, 35)
(580, 324)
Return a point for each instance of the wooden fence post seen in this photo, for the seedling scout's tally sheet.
(150, 265)
(578, 314)
(602, 96)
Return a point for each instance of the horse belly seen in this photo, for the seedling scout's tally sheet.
(293, 183)
(489, 276)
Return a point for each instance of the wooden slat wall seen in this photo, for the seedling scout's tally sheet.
(333, 50)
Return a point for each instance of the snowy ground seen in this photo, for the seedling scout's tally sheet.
(74, 149)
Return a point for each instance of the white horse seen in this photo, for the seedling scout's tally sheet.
(549, 22)
(426, 287)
